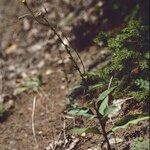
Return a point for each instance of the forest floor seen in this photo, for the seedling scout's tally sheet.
(30, 50)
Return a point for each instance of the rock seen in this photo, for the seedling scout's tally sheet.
(41, 64)
(62, 87)
(7, 101)
(115, 140)
(32, 33)
(48, 72)
(11, 49)
(36, 47)
(24, 75)
(34, 72)
(9, 104)
(26, 24)
(1, 98)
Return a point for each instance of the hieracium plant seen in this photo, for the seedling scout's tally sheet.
(129, 69)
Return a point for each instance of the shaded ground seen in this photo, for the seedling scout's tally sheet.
(27, 49)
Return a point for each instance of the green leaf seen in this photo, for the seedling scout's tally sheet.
(130, 119)
(103, 105)
(109, 110)
(143, 84)
(140, 143)
(85, 130)
(95, 86)
(86, 112)
(104, 94)
(33, 83)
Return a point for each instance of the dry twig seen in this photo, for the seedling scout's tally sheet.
(33, 127)
(110, 82)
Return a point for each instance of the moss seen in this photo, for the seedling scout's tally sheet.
(139, 144)
(130, 60)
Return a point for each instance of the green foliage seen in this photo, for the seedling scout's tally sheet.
(85, 130)
(129, 68)
(105, 94)
(140, 95)
(78, 111)
(91, 83)
(103, 105)
(95, 86)
(102, 36)
(30, 84)
(128, 47)
(104, 97)
(140, 144)
(102, 109)
(130, 119)
(130, 60)
(143, 84)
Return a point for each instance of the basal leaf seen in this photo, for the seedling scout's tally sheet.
(86, 112)
(104, 94)
(95, 86)
(85, 130)
(130, 119)
(103, 105)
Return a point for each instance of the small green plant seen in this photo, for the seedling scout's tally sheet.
(31, 84)
(129, 68)
(99, 109)
(140, 144)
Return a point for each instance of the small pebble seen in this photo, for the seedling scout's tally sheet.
(48, 72)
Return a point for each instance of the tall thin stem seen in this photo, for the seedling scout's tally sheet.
(68, 49)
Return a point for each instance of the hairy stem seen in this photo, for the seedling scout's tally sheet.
(68, 48)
